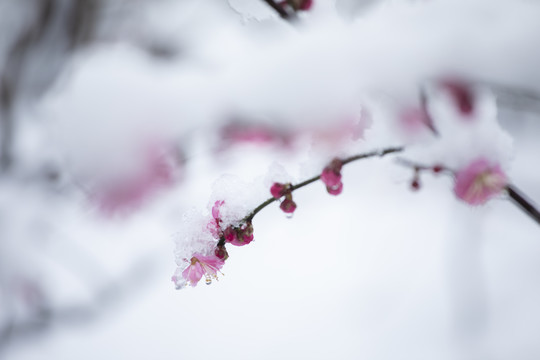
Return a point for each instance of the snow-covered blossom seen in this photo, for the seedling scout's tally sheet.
(239, 236)
(278, 190)
(214, 226)
(331, 177)
(199, 266)
(479, 181)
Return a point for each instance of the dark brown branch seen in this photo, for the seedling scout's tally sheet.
(523, 203)
(280, 10)
(379, 153)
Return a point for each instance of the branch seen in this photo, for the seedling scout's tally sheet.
(523, 203)
(280, 10)
(379, 153)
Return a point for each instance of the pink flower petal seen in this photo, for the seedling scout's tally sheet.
(215, 208)
(479, 182)
(200, 266)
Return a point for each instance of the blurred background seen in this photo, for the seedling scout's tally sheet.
(118, 116)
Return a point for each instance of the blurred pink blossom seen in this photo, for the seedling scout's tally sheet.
(158, 171)
(461, 94)
(479, 182)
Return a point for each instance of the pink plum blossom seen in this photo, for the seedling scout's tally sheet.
(221, 252)
(288, 205)
(214, 226)
(199, 266)
(278, 190)
(239, 236)
(479, 181)
(331, 177)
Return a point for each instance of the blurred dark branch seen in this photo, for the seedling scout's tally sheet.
(280, 10)
(78, 23)
(523, 203)
(10, 78)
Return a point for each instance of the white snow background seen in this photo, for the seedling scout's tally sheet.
(378, 272)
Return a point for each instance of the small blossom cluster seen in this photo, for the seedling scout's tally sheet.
(209, 262)
(278, 191)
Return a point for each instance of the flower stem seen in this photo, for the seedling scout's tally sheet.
(379, 153)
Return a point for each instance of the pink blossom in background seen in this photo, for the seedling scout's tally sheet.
(237, 133)
(343, 129)
(200, 266)
(159, 170)
(479, 182)
(413, 120)
(306, 5)
(461, 94)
